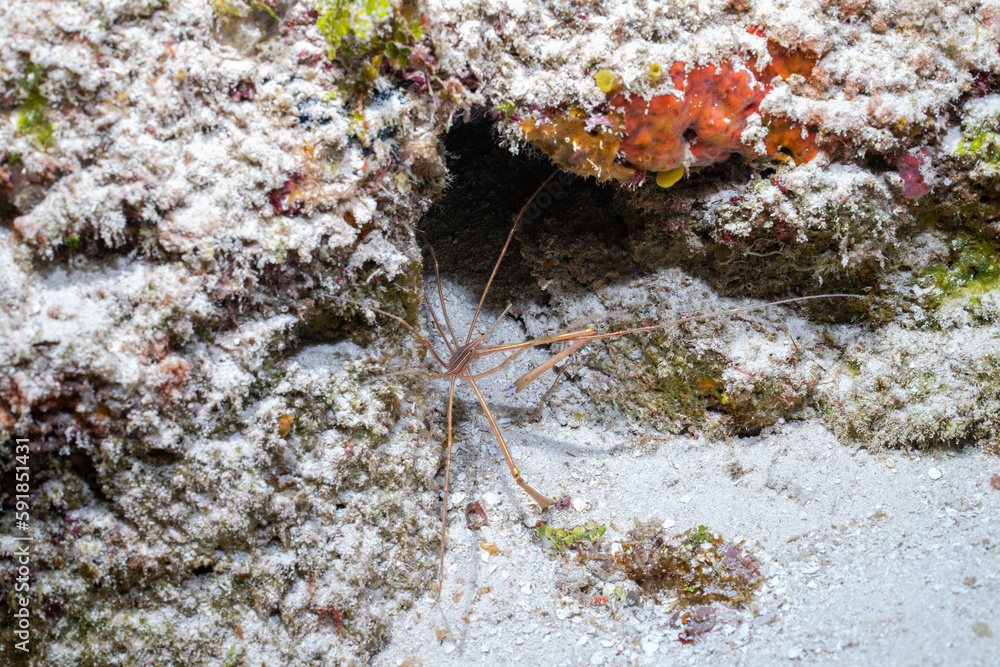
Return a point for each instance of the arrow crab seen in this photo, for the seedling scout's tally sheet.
(469, 357)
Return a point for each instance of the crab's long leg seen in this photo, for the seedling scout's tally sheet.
(531, 376)
(437, 325)
(521, 347)
(492, 327)
(543, 502)
(408, 371)
(567, 337)
(447, 479)
(444, 308)
(697, 318)
(493, 370)
(399, 319)
(517, 347)
(503, 252)
(512, 357)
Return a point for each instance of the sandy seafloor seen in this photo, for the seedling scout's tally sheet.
(870, 558)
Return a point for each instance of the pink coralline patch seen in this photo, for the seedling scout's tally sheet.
(704, 123)
(175, 371)
(695, 621)
(909, 166)
(284, 200)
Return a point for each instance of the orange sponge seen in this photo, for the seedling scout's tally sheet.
(588, 147)
(699, 124)
(704, 123)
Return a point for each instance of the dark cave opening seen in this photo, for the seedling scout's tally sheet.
(488, 187)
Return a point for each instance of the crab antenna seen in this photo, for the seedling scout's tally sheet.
(591, 334)
(503, 252)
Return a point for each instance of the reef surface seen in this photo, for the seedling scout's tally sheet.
(189, 191)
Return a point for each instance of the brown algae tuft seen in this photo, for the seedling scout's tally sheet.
(698, 566)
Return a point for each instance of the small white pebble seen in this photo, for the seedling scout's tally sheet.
(934, 473)
(579, 504)
(669, 523)
(795, 653)
(686, 499)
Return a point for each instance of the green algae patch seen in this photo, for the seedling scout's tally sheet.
(31, 119)
(353, 26)
(698, 567)
(562, 539)
(506, 108)
(983, 145)
(973, 273)
(373, 35)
